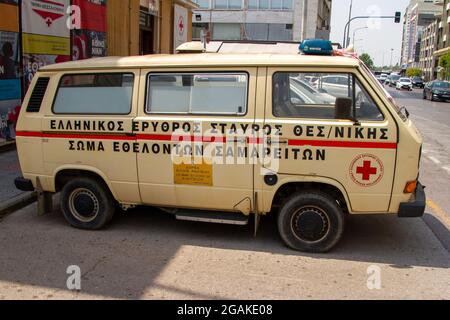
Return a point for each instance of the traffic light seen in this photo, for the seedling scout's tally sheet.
(398, 17)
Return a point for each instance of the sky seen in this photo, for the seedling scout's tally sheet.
(381, 36)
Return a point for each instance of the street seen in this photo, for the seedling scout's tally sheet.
(433, 121)
(147, 254)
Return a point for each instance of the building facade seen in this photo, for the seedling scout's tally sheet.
(418, 15)
(442, 34)
(435, 41)
(427, 49)
(148, 26)
(269, 20)
(35, 33)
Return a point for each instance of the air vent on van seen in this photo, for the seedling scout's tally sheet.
(38, 95)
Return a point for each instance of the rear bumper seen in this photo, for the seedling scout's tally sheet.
(414, 209)
(23, 184)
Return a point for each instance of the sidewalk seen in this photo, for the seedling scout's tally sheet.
(10, 197)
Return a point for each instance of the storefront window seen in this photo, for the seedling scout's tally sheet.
(226, 31)
(227, 4)
(276, 4)
(270, 4)
(203, 4)
(197, 29)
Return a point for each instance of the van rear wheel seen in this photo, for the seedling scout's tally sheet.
(311, 222)
(87, 204)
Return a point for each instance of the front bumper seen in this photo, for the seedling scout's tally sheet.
(414, 209)
(442, 96)
(23, 184)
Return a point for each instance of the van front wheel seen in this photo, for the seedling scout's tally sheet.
(311, 222)
(86, 203)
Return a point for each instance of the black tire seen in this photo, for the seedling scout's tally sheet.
(87, 203)
(311, 222)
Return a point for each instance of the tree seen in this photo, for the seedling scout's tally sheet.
(444, 63)
(367, 59)
(414, 72)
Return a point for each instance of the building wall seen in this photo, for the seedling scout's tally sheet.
(248, 23)
(418, 15)
(123, 26)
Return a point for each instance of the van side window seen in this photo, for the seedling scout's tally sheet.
(96, 93)
(197, 93)
(313, 96)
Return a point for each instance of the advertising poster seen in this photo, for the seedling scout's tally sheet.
(45, 17)
(88, 44)
(180, 26)
(9, 55)
(45, 36)
(9, 16)
(10, 86)
(90, 40)
(33, 62)
(93, 14)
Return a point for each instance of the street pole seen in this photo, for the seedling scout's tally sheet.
(346, 29)
(347, 36)
(392, 52)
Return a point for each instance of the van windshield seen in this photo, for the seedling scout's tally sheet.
(391, 100)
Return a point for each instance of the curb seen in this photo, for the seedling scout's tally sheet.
(7, 146)
(17, 203)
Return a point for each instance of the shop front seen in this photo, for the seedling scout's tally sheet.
(35, 33)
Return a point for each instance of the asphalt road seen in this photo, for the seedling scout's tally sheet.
(433, 121)
(147, 254)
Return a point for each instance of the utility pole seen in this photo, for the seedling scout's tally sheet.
(392, 52)
(347, 35)
(305, 17)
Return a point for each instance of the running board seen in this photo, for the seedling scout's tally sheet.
(212, 217)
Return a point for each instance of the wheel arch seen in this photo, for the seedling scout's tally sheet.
(63, 174)
(329, 186)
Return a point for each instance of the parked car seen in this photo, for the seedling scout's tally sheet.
(417, 82)
(383, 78)
(393, 79)
(437, 90)
(404, 83)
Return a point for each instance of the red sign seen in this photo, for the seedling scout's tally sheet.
(93, 16)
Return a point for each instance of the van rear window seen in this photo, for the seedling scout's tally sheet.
(96, 93)
(197, 93)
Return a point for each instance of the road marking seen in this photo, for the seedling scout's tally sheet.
(439, 212)
(435, 160)
(446, 169)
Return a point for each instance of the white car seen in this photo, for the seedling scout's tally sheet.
(404, 83)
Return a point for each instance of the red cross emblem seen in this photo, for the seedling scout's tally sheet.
(180, 26)
(366, 170)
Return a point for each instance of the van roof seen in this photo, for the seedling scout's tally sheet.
(205, 60)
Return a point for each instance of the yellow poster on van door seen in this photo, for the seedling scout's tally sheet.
(49, 45)
(193, 174)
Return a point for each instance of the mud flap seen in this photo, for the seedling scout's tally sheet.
(44, 199)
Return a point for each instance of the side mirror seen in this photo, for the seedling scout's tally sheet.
(344, 109)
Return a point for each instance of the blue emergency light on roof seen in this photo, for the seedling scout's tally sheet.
(316, 47)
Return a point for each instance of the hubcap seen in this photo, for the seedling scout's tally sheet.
(84, 205)
(310, 224)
